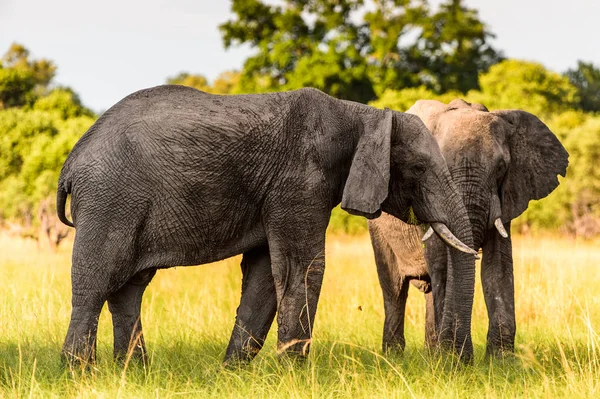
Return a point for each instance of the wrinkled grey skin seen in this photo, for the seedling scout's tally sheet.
(171, 176)
(499, 161)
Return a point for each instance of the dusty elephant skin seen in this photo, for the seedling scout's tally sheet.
(173, 176)
(499, 161)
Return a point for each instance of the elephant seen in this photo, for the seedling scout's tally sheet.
(499, 161)
(172, 176)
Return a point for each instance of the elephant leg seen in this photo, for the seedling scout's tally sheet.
(394, 286)
(80, 343)
(99, 269)
(298, 264)
(423, 284)
(499, 293)
(89, 292)
(257, 307)
(431, 337)
(437, 265)
(124, 305)
(395, 309)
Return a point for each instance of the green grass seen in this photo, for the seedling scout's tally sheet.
(188, 314)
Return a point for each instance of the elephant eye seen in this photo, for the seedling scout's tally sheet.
(418, 170)
(501, 169)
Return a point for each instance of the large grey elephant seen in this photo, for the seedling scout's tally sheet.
(171, 176)
(499, 161)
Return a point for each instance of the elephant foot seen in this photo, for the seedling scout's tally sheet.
(236, 358)
(500, 352)
(78, 357)
(136, 356)
(394, 347)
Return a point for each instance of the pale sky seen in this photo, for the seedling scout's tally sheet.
(107, 49)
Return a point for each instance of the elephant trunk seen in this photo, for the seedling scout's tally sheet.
(451, 268)
(455, 326)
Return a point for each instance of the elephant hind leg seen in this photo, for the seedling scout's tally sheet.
(125, 306)
(89, 292)
(80, 344)
(257, 308)
(99, 269)
(394, 286)
(395, 310)
(431, 337)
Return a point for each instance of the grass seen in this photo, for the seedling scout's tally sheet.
(188, 314)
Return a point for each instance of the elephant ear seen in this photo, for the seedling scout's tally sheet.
(369, 178)
(537, 158)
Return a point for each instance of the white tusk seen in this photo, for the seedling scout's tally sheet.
(500, 228)
(445, 234)
(427, 234)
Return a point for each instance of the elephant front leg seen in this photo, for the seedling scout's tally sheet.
(125, 306)
(498, 289)
(257, 307)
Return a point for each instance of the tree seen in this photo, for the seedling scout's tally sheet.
(23, 79)
(525, 85)
(586, 78)
(454, 45)
(38, 128)
(226, 83)
(196, 81)
(402, 100)
(324, 44)
(16, 87)
(64, 101)
(302, 41)
(17, 57)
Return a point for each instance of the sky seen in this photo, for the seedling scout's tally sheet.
(108, 49)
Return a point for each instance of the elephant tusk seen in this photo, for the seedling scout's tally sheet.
(445, 234)
(427, 234)
(500, 228)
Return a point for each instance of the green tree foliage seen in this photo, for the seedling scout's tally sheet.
(574, 207)
(527, 86)
(196, 81)
(325, 44)
(22, 80)
(454, 44)
(33, 147)
(17, 57)
(63, 101)
(16, 87)
(38, 128)
(402, 100)
(227, 82)
(586, 78)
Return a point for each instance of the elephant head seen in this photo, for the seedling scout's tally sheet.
(413, 183)
(398, 168)
(499, 161)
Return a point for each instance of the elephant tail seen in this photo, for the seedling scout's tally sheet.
(61, 201)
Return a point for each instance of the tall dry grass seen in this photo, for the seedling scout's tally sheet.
(188, 314)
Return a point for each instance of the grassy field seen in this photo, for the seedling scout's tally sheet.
(188, 314)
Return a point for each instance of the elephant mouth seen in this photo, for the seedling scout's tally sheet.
(411, 217)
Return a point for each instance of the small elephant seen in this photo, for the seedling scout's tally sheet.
(173, 176)
(499, 161)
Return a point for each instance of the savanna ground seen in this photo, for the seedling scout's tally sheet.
(188, 314)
